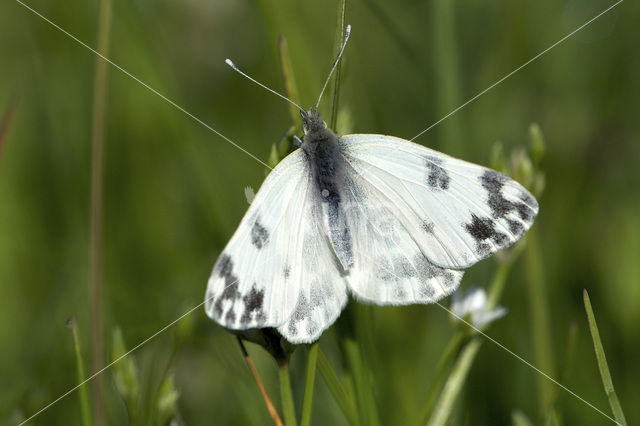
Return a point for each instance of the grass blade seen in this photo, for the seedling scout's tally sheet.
(362, 380)
(307, 402)
(454, 383)
(85, 406)
(395, 32)
(337, 390)
(126, 378)
(464, 361)
(288, 407)
(602, 362)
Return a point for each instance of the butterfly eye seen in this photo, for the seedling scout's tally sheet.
(305, 121)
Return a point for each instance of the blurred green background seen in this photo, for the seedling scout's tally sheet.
(174, 191)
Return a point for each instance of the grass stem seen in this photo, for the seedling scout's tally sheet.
(602, 363)
(333, 116)
(454, 383)
(445, 361)
(496, 288)
(7, 119)
(97, 176)
(290, 87)
(446, 67)
(540, 327)
(265, 396)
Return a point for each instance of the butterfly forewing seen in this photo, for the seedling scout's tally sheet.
(457, 212)
(278, 269)
(256, 280)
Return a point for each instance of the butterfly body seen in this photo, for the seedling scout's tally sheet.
(326, 161)
(383, 219)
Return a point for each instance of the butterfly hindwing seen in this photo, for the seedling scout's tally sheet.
(323, 291)
(389, 266)
(457, 212)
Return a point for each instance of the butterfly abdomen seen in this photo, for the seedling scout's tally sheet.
(327, 166)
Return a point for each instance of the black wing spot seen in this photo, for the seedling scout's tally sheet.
(253, 304)
(437, 177)
(230, 317)
(480, 229)
(483, 229)
(493, 182)
(259, 235)
(298, 315)
(516, 228)
(447, 279)
(524, 211)
(230, 292)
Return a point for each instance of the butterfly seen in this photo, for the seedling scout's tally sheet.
(377, 217)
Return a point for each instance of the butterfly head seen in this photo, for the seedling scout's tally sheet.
(312, 122)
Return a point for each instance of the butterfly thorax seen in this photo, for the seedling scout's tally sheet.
(321, 146)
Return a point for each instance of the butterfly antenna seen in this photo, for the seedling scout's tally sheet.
(232, 65)
(335, 64)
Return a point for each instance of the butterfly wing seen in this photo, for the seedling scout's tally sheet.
(456, 212)
(278, 269)
(323, 291)
(254, 282)
(389, 266)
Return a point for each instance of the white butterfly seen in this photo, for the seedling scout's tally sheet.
(381, 218)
